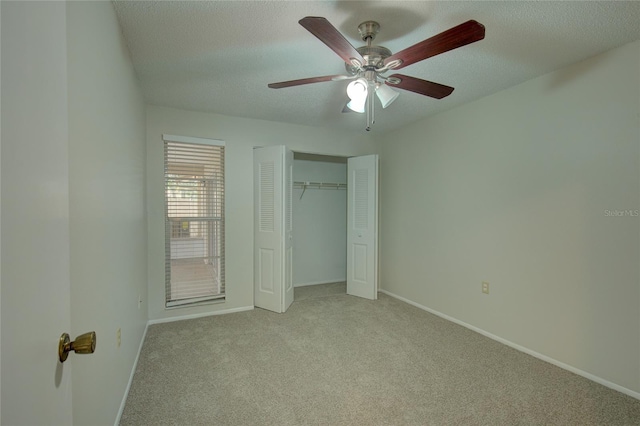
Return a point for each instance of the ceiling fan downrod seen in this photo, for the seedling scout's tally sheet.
(374, 57)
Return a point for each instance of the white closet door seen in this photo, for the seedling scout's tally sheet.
(288, 230)
(362, 227)
(273, 289)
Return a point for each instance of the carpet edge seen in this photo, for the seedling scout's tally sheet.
(200, 315)
(133, 371)
(517, 347)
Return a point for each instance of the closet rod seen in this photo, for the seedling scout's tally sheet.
(318, 185)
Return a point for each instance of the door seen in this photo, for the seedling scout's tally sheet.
(362, 227)
(36, 387)
(272, 190)
(288, 231)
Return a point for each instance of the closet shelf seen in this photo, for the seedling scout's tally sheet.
(318, 185)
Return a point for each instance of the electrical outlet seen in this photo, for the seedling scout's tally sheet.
(485, 287)
(119, 337)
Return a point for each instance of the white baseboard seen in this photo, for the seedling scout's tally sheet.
(528, 351)
(133, 371)
(337, 280)
(204, 314)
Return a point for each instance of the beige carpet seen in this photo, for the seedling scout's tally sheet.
(341, 360)
(322, 290)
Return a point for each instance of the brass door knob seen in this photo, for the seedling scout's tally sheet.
(84, 344)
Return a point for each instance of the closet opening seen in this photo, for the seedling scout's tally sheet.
(319, 204)
(333, 215)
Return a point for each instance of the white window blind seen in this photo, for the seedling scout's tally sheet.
(194, 220)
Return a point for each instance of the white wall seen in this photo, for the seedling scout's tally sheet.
(107, 154)
(240, 135)
(0, 213)
(319, 224)
(513, 189)
(36, 388)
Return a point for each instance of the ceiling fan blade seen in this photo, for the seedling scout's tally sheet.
(330, 36)
(423, 87)
(450, 39)
(302, 81)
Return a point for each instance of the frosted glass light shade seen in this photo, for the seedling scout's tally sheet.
(357, 105)
(386, 95)
(357, 90)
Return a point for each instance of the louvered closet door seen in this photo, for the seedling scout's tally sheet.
(362, 227)
(273, 289)
(288, 230)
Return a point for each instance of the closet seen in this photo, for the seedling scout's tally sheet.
(314, 200)
(319, 219)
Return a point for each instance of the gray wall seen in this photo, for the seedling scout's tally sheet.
(319, 224)
(107, 208)
(241, 136)
(515, 189)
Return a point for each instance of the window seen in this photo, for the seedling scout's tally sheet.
(194, 220)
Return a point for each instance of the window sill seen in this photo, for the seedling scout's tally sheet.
(188, 304)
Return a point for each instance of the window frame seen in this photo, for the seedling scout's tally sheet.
(170, 224)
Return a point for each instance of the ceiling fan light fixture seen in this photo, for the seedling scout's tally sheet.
(357, 90)
(357, 105)
(386, 95)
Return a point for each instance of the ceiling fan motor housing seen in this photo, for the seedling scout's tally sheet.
(368, 30)
(373, 56)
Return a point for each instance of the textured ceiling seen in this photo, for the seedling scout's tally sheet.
(219, 56)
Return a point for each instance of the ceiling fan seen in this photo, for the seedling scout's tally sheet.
(367, 65)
